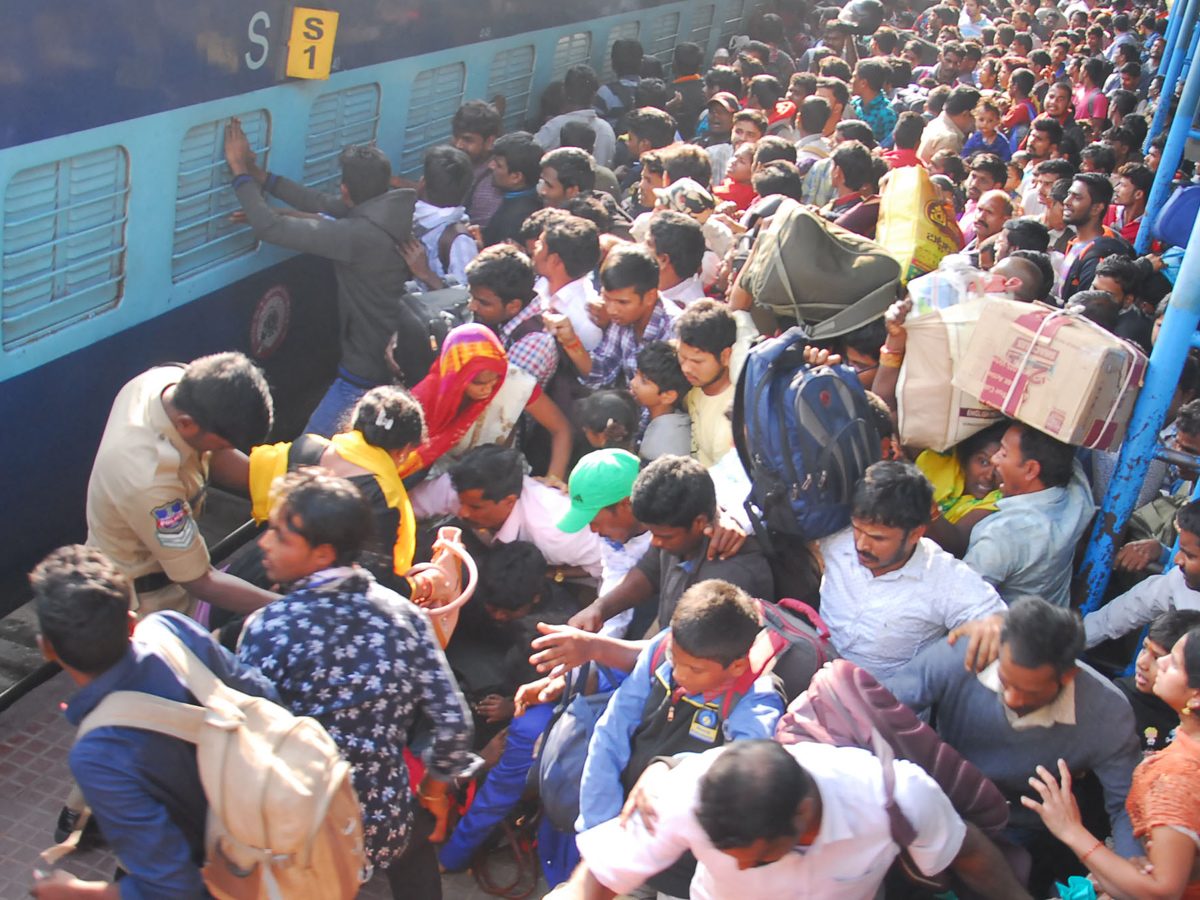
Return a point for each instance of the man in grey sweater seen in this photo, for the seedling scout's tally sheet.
(1035, 705)
(360, 230)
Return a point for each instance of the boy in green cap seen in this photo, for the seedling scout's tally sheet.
(599, 488)
(674, 501)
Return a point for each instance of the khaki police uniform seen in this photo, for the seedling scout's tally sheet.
(145, 490)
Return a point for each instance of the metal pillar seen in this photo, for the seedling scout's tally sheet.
(1171, 36)
(1181, 129)
(1162, 377)
(1183, 21)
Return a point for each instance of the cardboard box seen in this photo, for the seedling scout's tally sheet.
(935, 414)
(1054, 370)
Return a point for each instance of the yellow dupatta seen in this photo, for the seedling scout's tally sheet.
(270, 461)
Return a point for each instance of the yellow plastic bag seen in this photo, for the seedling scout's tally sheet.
(915, 224)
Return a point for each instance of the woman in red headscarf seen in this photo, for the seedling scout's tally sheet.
(472, 396)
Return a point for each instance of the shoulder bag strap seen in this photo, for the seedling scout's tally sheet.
(188, 668)
(306, 450)
(136, 709)
(446, 239)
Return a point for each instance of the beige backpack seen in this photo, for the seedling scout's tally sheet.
(284, 822)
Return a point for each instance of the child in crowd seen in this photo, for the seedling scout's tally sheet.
(1016, 173)
(736, 187)
(1156, 721)
(965, 485)
(661, 387)
(988, 137)
(691, 689)
(947, 191)
(440, 248)
(609, 419)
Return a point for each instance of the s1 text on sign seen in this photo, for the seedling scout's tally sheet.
(310, 49)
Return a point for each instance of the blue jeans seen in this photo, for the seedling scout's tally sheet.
(332, 414)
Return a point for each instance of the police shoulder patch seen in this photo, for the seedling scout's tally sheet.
(173, 525)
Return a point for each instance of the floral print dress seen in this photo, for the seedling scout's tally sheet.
(362, 661)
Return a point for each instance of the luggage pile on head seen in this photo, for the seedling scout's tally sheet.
(811, 272)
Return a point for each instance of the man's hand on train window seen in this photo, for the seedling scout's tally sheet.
(238, 152)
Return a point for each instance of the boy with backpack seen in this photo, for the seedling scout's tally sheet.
(692, 689)
(360, 659)
(616, 98)
(143, 788)
(442, 247)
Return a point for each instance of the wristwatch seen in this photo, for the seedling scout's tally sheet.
(559, 578)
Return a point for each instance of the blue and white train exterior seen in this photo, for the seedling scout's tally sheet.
(116, 250)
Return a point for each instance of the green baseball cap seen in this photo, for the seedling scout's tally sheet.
(601, 478)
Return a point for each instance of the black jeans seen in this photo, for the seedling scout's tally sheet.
(414, 874)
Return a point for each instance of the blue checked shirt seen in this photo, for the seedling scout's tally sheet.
(878, 114)
(618, 350)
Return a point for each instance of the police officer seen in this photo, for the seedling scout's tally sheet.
(169, 428)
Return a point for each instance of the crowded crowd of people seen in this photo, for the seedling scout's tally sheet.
(578, 427)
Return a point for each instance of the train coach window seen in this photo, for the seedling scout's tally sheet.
(64, 243)
(436, 96)
(702, 23)
(624, 30)
(338, 119)
(512, 76)
(204, 200)
(571, 50)
(735, 14)
(664, 37)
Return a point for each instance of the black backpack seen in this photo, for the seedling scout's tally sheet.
(1097, 250)
(424, 321)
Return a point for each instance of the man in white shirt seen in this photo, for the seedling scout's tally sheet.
(888, 591)
(489, 490)
(1177, 589)
(564, 257)
(798, 821)
(677, 241)
(579, 89)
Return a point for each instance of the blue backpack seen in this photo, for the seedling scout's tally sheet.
(564, 746)
(1174, 223)
(805, 437)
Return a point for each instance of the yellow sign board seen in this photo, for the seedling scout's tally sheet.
(310, 49)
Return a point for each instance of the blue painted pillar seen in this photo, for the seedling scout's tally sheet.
(1162, 377)
(1183, 20)
(1176, 139)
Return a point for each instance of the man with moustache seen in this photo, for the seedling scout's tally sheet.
(888, 591)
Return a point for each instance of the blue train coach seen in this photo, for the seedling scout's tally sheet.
(116, 249)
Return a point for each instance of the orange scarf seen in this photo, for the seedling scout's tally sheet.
(467, 351)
